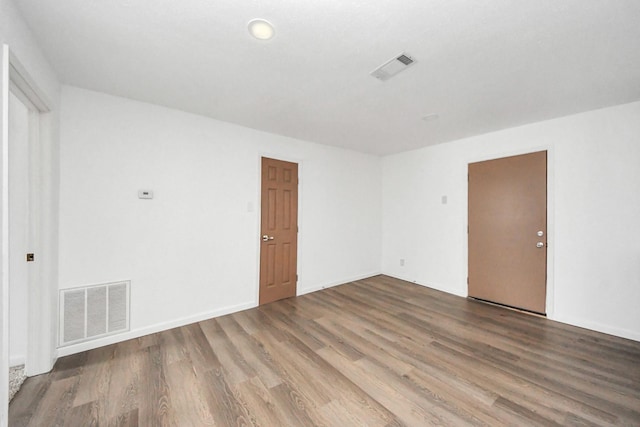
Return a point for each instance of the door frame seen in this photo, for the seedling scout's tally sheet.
(31, 175)
(498, 154)
(257, 203)
(41, 349)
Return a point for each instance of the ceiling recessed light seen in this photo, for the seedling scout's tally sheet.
(261, 29)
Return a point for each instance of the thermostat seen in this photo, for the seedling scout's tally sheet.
(145, 194)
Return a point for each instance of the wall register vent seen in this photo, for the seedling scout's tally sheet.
(393, 67)
(93, 312)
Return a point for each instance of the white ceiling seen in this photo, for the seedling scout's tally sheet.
(481, 65)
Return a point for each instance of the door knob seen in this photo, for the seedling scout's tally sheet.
(540, 233)
(539, 245)
(266, 238)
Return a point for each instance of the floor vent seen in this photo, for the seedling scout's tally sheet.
(93, 312)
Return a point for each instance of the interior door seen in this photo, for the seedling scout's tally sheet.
(508, 231)
(279, 230)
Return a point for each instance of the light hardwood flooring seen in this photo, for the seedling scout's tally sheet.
(379, 352)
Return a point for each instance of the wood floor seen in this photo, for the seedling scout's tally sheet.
(378, 352)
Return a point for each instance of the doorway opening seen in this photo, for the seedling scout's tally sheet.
(26, 297)
(20, 115)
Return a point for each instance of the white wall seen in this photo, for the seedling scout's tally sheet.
(594, 211)
(192, 251)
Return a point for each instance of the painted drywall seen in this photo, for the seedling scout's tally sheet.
(16, 36)
(192, 251)
(18, 229)
(594, 206)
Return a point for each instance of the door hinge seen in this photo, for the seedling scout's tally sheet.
(296, 277)
(30, 257)
(467, 280)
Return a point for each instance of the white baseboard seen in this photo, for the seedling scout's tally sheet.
(159, 327)
(444, 288)
(76, 348)
(432, 285)
(598, 327)
(17, 360)
(136, 333)
(581, 323)
(336, 283)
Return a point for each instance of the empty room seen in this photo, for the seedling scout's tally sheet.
(320, 213)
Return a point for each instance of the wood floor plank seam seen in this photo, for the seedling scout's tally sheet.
(374, 352)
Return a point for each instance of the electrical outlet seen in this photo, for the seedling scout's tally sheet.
(401, 262)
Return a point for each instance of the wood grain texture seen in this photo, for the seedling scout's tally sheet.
(376, 352)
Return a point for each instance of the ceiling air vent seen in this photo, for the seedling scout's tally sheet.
(393, 67)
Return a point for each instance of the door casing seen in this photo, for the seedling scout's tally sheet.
(42, 297)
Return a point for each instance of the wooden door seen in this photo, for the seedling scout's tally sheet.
(508, 231)
(279, 230)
